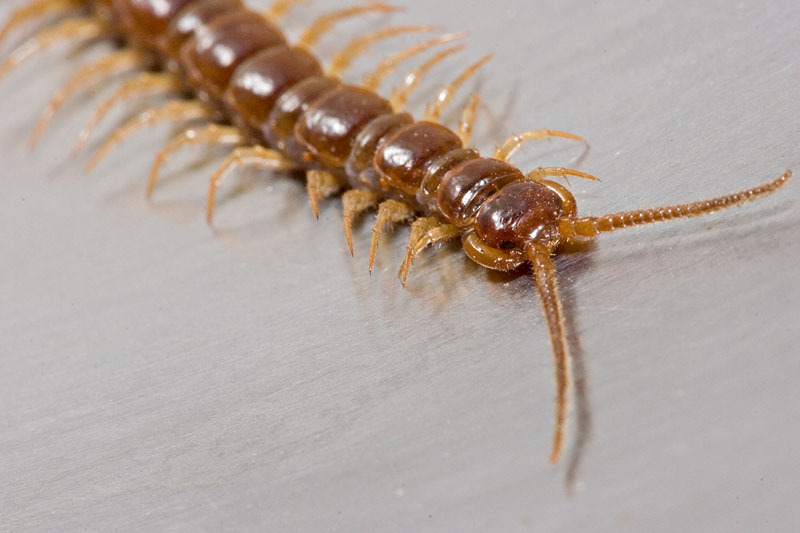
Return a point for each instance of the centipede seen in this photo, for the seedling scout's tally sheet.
(231, 69)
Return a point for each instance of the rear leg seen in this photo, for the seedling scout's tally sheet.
(106, 67)
(36, 10)
(389, 212)
(321, 184)
(425, 232)
(76, 30)
(355, 202)
(373, 80)
(173, 110)
(344, 58)
(212, 134)
(322, 24)
(143, 83)
(434, 110)
(248, 156)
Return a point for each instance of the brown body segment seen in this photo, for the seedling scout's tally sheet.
(467, 186)
(222, 45)
(404, 159)
(259, 82)
(147, 20)
(329, 127)
(360, 167)
(279, 128)
(186, 23)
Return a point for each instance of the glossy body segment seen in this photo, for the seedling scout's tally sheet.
(262, 79)
(224, 44)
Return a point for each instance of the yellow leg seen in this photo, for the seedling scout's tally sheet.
(37, 9)
(250, 156)
(373, 80)
(355, 202)
(540, 173)
(321, 184)
(173, 110)
(389, 212)
(515, 142)
(105, 67)
(142, 83)
(591, 226)
(425, 232)
(467, 123)
(77, 29)
(280, 8)
(544, 276)
(325, 22)
(208, 134)
(434, 110)
(344, 58)
(400, 94)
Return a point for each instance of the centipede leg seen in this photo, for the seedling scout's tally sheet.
(435, 109)
(325, 22)
(76, 29)
(374, 79)
(467, 123)
(540, 173)
(321, 184)
(515, 142)
(251, 156)
(355, 202)
(214, 134)
(344, 58)
(105, 67)
(400, 94)
(389, 212)
(280, 8)
(544, 276)
(425, 231)
(171, 111)
(143, 83)
(36, 10)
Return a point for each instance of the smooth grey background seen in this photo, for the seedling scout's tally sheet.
(157, 374)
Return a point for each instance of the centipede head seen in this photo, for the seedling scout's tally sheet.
(514, 218)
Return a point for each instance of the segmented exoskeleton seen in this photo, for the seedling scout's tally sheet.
(282, 110)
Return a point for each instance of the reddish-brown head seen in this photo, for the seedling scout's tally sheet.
(502, 211)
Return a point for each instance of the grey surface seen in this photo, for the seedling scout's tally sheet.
(155, 374)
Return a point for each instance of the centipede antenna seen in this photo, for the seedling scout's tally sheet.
(173, 110)
(36, 10)
(77, 29)
(389, 212)
(105, 67)
(345, 57)
(515, 142)
(143, 83)
(325, 22)
(434, 110)
(591, 226)
(249, 156)
(374, 79)
(212, 134)
(544, 277)
(280, 8)
(400, 95)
